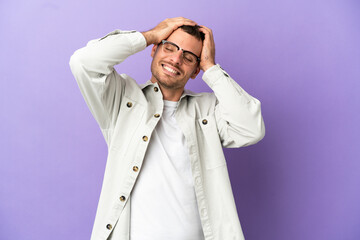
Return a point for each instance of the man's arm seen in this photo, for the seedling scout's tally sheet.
(93, 68)
(238, 115)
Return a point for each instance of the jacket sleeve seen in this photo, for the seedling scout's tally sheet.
(238, 115)
(99, 83)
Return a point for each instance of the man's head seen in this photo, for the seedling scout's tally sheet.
(193, 31)
(169, 68)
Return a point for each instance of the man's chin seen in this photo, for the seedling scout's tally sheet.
(168, 84)
(167, 81)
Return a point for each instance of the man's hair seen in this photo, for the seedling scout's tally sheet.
(193, 31)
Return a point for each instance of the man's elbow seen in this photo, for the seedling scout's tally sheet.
(76, 64)
(252, 136)
(255, 137)
(260, 133)
(74, 60)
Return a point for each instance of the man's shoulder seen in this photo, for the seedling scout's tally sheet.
(199, 95)
(201, 99)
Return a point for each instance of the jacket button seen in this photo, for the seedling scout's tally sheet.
(157, 115)
(129, 104)
(156, 89)
(145, 138)
(135, 168)
(122, 198)
(109, 226)
(204, 121)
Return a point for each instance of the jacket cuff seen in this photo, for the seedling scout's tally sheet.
(213, 74)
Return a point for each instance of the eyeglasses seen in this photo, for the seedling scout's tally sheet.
(171, 48)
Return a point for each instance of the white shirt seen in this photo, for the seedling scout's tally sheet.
(163, 201)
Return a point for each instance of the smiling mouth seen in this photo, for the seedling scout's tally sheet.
(170, 70)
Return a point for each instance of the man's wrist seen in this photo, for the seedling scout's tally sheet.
(207, 66)
(148, 37)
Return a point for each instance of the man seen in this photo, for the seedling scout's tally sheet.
(166, 175)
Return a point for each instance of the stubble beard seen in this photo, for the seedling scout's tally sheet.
(168, 84)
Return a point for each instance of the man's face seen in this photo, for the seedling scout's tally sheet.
(169, 70)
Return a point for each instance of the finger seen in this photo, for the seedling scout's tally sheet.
(208, 36)
(179, 19)
(190, 23)
(205, 29)
(184, 21)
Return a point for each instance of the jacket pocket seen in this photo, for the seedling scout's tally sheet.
(211, 149)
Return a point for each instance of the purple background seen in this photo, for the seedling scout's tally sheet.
(301, 59)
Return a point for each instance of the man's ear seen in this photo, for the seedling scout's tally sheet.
(153, 50)
(196, 72)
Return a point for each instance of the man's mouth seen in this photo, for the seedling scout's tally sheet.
(170, 70)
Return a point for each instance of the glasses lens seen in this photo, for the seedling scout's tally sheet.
(170, 48)
(189, 58)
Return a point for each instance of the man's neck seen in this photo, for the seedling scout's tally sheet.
(170, 94)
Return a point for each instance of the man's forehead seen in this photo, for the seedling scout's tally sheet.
(180, 34)
(185, 40)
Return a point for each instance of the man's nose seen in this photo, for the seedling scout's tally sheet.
(177, 57)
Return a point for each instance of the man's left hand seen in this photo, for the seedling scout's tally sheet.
(207, 58)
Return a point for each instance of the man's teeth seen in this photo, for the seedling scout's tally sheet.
(170, 69)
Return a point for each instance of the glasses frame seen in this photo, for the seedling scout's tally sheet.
(179, 48)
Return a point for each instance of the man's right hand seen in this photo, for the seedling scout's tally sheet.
(164, 29)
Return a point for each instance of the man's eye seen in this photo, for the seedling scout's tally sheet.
(189, 59)
(169, 48)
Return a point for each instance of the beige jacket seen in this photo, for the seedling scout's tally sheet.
(127, 114)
